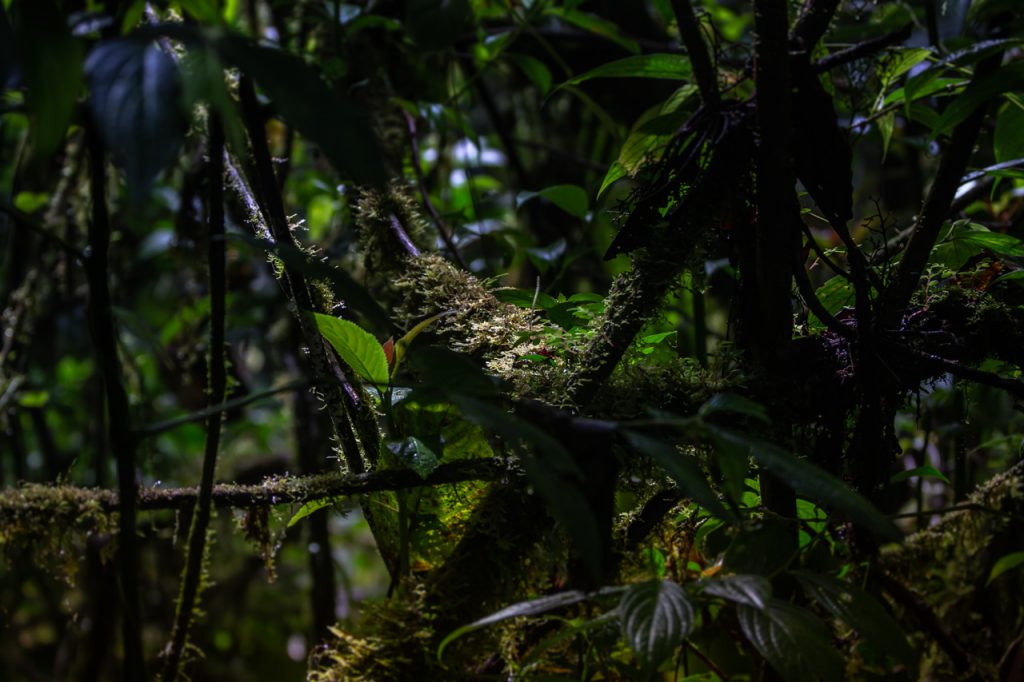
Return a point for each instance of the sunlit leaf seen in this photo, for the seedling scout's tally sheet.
(1005, 564)
(570, 198)
(656, 617)
(664, 66)
(311, 507)
(357, 347)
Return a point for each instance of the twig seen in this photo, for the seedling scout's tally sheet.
(703, 70)
(175, 422)
(862, 50)
(196, 554)
(101, 319)
(421, 183)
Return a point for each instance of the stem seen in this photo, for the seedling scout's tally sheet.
(195, 558)
(101, 323)
(703, 69)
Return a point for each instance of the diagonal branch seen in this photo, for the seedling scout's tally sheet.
(703, 69)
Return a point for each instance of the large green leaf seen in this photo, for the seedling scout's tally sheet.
(656, 617)
(683, 469)
(136, 102)
(416, 455)
(51, 67)
(357, 347)
(979, 93)
(334, 123)
(664, 66)
(793, 640)
(751, 590)
(809, 480)
(860, 611)
(1005, 563)
(533, 607)
(570, 198)
(1008, 142)
(596, 25)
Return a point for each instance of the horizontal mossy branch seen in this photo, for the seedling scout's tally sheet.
(56, 503)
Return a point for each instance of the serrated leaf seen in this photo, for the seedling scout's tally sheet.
(662, 66)
(809, 480)
(656, 617)
(357, 347)
(793, 641)
(751, 590)
(731, 403)
(416, 455)
(338, 127)
(1005, 563)
(533, 607)
(135, 98)
(312, 506)
(926, 471)
(683, 469)
(570, 198)
(860, 611)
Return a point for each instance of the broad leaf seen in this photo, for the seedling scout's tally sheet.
(1008, 143)
(809, 480)
(793, 641)
(751, 590)
(534, 69)
(136, 102)
(731, 403)
(656, 617)
(533, 607)
(683, 469)
(1005, 563)
(570, 198)
(311, 507)
(860, 611)
(596, 25)
(981, 92)
(996, 242)
(51, 67)
(926, 471)
(357, 347)
(335, 124)
(416, 455)
(664, 66)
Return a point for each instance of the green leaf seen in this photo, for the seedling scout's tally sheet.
(357, 347)
(335, 124)
(953, 252)
(656, 617)
(793, 641)
(525, 298)
(570, 198)
(136, 102)
(834, 294)
(534, 69)
(751, 590)
(926, 471)
(683, 469)
(730, 403)
(1005, 563)
(596, 25)
(51, 67)
(415, 455)
(996, 242)
(533, 607)
(885, 127)
(809, 480)
(860, 611)
(616, 171)
(663, 66)
(312, 506)
(978, 93)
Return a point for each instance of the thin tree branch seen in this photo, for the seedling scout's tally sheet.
(936, 206)
(196, 554)
(700, 60)
(421, 183)
(862, 50)
(101, 322)
(945, 365)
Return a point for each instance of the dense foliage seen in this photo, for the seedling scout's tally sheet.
(494, 339)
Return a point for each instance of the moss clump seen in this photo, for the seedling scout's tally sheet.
(389, 226)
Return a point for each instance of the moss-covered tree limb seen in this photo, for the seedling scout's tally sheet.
(196, 553)
(56, 504)
(101, 323)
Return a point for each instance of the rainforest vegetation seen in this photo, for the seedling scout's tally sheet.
(511, 340)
